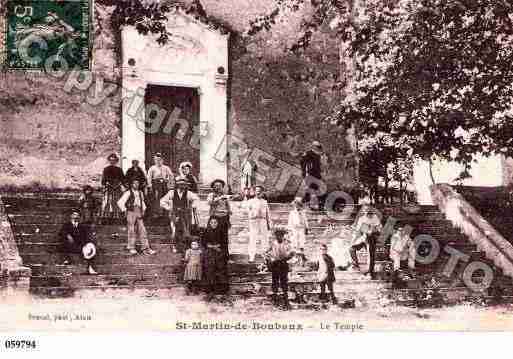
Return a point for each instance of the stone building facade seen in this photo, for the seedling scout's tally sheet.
(56, 132)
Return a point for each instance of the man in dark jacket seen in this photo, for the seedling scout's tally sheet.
(311, 167)
(135, 173)
(76, 239)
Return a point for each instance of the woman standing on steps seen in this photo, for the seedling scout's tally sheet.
(214, 262)
(112, 182)
(221, 211)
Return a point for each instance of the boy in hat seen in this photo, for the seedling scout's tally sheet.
(112, 182)
(75, 239)
(221, 211)
(259, 221)
(132, 203)
(326, 273)
(160, 178)
(278, 256)
(88, 206)
(182, 205)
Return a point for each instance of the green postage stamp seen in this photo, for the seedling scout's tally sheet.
(46, 35)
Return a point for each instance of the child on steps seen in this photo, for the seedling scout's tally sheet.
(193, 271)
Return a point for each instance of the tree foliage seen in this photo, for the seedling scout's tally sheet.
(436, 75)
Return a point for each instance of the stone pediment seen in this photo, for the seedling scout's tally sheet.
(193, 47)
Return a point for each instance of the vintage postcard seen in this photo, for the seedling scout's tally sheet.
(256, 166)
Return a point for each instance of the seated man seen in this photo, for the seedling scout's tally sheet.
(367, 229)
(76, 239)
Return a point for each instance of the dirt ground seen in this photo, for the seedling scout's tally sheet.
(193, 313)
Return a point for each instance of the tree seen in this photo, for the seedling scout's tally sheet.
(434, 74)
(437, 76)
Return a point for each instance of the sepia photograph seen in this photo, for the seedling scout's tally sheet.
(255, 166)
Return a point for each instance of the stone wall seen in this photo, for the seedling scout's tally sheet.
(53, 139)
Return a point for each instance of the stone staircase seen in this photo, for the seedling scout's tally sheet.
(36, 218)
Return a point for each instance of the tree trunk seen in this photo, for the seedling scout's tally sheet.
(431, 171)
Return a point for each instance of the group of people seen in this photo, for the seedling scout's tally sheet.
(206, 250)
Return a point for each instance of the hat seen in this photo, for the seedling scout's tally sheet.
(280, 231)
(298, 200)
(316, 144)
(113, 157)
(217, 181)
(89, 250)
(74, 211)
(185, 164)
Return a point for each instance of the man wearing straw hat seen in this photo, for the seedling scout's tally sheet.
(182, 205)
(132, 203)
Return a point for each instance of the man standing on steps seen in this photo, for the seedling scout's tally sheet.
(182, 205)
(76, 239)
(367, 229)
(311, 167)
(220, 210)
(160, 178)
(132, 203)
(260, 224)
(136, 172)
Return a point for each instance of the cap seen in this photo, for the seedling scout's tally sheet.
(113, 157)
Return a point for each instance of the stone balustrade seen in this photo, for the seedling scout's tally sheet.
(14, 277)
(476, 228)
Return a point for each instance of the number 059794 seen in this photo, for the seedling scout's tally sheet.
(20, 344)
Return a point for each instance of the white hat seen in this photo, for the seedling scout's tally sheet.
(185, 164)
(89, 251)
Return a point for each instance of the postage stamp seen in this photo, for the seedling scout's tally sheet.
(42, 33)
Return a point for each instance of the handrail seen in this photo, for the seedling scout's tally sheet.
(479, 231)
(9, 255)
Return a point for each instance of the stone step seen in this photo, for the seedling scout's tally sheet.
(111, 280)
(150, 269)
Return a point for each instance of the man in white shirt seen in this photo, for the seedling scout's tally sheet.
(160, 178)
(132, 203)
(259, 223)
(367, 228)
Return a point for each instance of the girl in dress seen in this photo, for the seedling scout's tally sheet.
(193, 271)
(112, 182)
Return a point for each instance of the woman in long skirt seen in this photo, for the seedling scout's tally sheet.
(112, 182)
(215, 263)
